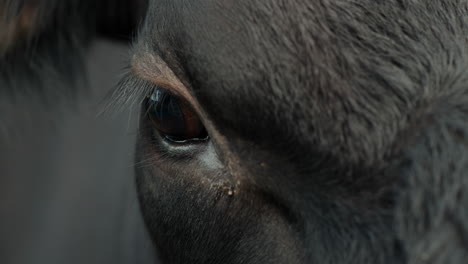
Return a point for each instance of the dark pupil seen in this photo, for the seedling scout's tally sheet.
(173, 118)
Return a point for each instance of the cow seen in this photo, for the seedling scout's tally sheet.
(303, 131)
(298, 131)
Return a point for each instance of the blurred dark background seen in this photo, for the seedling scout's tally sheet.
(67, 190)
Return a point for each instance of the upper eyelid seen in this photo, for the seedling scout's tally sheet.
(135, 82)
(153, 69)
(132, 90)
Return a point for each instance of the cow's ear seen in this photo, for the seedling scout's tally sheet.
(119, 19)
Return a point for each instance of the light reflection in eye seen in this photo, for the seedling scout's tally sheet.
(174, 118)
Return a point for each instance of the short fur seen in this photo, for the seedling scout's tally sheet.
(343, 121)
(338, 128)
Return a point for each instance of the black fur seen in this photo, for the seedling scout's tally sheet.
(337, 128)
(343, 121)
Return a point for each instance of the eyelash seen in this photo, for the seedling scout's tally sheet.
(130, 91)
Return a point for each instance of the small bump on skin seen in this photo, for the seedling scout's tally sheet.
(230, 190)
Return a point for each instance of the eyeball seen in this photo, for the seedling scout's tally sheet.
(174, 118)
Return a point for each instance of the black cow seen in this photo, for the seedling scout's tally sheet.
(302, 131)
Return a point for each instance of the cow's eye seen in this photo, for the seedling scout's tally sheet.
(173, 118)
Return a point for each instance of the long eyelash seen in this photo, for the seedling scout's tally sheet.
(129, 92)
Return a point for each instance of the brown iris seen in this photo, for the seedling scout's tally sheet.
(174, 118)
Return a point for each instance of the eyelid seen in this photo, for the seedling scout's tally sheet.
(154, 70)
(140, 79)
